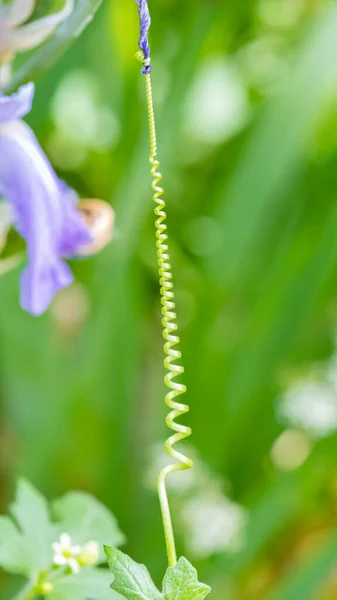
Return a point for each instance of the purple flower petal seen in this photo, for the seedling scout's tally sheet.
(45, 215)
(18, 105)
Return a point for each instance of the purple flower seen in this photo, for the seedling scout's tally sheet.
(43, 207)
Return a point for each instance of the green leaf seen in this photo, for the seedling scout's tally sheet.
(132, 580)
(26, 547)
(26, 539)
(86, 519)
(65, 596)
(30, 511)
(181, 583)
(14, 552)
(88, 583)
(44, 58)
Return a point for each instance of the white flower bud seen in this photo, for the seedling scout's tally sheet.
(89, 555)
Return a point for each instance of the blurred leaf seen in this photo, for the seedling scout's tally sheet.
(93, 584)
(27, 549)
(86, 519)
(131, 579)
(53, 49)
(67, 595)
(30, 511)
(181, 583)
(14, 553)
(22, 595)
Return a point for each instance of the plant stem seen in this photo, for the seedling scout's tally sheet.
(167, 521)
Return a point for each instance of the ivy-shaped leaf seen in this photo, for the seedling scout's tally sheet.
(27, 536)
(25, 540)
(31, 512)
(14, 552)
(133, 580)
(181, 583)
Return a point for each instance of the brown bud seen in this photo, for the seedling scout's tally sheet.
(100, 219)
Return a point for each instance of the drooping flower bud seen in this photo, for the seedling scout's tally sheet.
(100, 218)
(89, 555)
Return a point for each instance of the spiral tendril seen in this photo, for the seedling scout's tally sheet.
(172, 341)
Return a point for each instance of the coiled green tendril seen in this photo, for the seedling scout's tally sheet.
(172, 341)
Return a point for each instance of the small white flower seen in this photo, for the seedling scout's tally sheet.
(65, 554)
(16, 36)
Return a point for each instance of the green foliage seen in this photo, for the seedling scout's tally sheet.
(134, 582)
(27, 539)
(30, 512)
(131, 580)
(14, 552)
(181, 583)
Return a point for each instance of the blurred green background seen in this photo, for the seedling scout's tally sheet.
(246, 99)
